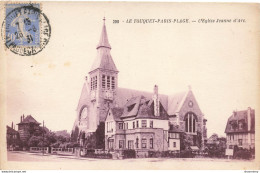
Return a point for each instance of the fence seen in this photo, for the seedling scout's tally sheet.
(39, 149)
(65, 151)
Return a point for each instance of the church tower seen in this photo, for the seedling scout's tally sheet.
(103, 80)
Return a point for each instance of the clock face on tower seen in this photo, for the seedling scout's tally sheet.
(84, 113)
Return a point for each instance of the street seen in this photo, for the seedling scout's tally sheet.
(73, 162)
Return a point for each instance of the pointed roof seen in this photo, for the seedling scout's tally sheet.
(142, 107)
(103, 42)
(240, 116)
(104, 59)
(29, 119)
(175, 102)
(11, 130)
(117, 112)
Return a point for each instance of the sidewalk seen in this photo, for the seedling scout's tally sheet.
(53, 155)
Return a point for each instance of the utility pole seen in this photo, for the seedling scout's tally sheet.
(43, 139)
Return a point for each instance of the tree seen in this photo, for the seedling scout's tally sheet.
(185, 141)
(91, 141)
(74, 134)
(100, 136)
(34, 141)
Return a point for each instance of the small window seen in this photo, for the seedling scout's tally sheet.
(137, 124)
(113, 82)
(151, 124)
(151, 143)
(240, 125)
(137, 143)
(174, 144)
(129, 108)
(108, 82)
(121, 144)
(103, 81)
(133, 125)
(130, 144)
(91, 83)
(240, 142)
(120, 125)
(177, 135)
(143, 143)
(144, 123)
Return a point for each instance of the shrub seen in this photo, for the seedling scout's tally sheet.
(186, 154)
(129, 154)
(243, 154)
(151, 154)
(100, 156)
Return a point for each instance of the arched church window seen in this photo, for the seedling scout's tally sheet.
(190, 122)
(84, 113)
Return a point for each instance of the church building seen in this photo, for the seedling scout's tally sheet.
(135, 119)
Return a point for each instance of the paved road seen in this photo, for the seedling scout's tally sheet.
(66, 162)
(26, 156)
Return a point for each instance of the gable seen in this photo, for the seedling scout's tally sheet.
(110, 116)
(84, 97)
(187, 107)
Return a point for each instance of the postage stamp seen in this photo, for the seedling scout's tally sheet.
(25, 30)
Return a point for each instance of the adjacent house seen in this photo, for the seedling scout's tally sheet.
(12, 137)
(27, 126)
(240, 129)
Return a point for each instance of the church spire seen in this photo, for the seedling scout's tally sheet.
(103, 42)
(104, 59)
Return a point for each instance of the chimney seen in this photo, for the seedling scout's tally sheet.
(21, 119)
(156, 101)
(249, 118)
(234, 113)
(23, 116)
(12, 125)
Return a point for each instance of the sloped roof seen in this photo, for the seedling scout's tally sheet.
(175, 102)
(103, 42)
(124, 95)
(11, 130)
(117, 113)
(142, 107)
(175, 128)
(104, 59)
(240, 116)
(29, 119)
(84, 97)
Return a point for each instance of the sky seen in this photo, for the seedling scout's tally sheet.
(219, 61)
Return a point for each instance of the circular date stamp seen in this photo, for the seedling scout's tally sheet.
(25, 30)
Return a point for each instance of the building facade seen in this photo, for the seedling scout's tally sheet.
(12, 137)
(27, 126)
(131, 110)
(240, 129)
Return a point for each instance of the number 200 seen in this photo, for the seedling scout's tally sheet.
(115, 21)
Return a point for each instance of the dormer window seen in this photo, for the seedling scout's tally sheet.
(129, 108)
(240, 125)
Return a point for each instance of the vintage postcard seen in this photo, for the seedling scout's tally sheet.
(129, 85)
